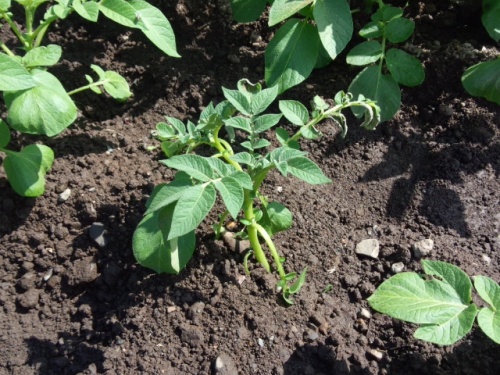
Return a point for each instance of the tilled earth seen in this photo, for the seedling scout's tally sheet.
(69, 305)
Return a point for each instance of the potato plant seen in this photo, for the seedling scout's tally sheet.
(165, 238)
(36, 101)
(440, 302)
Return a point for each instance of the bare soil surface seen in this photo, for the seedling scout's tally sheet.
(71, 306)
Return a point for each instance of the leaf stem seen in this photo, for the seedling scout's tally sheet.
(270, 244)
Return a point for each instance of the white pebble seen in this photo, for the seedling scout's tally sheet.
(397, 267)
(64, 196)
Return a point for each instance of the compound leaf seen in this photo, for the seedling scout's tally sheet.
(120, 11)
(265, 122)
(88, 10)
(399, 29)
(262, 100)
(365, 53)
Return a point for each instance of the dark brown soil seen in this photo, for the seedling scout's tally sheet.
(68, 306)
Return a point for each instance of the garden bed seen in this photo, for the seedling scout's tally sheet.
(69, 305)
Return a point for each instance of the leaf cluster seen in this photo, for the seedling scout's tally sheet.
(35, 99)
(387, 67)
(441, 302)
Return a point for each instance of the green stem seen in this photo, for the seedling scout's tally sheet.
(270, 244)
(40, 31)
(16, 30)
(6, 49)
(86, 87)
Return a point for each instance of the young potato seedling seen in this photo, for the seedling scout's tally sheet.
(165, 238)
(440, 302)
(36, 101)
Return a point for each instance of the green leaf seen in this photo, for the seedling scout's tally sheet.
(374, 29)
(262, 100)
(491, 18)
(155, 26)
(4, 134)
(404, 68)
(88, 10)
(164, 131)
(165, 194)
(307, 171)
(442, 303)
(451, 331)
(483, 80)
(399, 29)
(195, 166)
(120, 11)
(239, 122)
(383, 89)
(247, 10)
(171, 148)
(334, 21)
(13, 75)
(221, 168)
(191, 208)
(114, 84)
(283, 9)
(488, 318)
(291, 55)
(26, 169)
(294, 111)
(365, 53)
(243, 158)
(42, 56)
(4, 5)
(297, 285)
(231, 193)
(265, 122)
(238, 100)
(243, 179)
(44, 109)
(152, 249)
(276, 218)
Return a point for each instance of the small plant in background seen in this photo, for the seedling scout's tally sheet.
(387, 67)
(165, 238)
(440, 302)
(36, 101)
(483, 79)
(299, 45)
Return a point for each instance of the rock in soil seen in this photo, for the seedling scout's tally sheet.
(369, 248)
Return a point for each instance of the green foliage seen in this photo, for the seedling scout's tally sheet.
(441, 302)
(163, 239)
(483, 79)
(393, 66)
(299, 45)
(36, 101)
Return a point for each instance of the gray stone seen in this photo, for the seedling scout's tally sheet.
(369, 248)
(83, 271)
(423, 248)
(98, 233)
(29, 299)
(397, 267)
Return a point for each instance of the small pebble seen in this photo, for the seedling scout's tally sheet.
(377, 354)
(486, 259)
(365, 313)
(98, 233)
(423, 248)
(397, 267)
(64, 196)
(260, 342)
